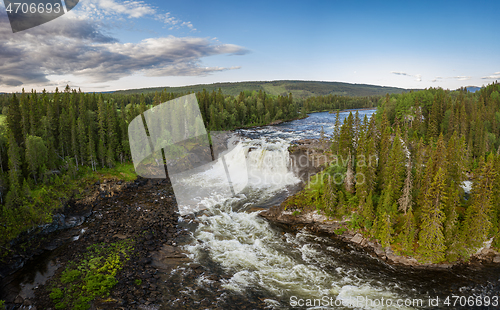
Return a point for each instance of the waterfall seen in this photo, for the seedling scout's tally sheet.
(257, 255)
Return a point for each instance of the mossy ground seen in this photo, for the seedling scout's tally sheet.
(44, 199)
(92, 275)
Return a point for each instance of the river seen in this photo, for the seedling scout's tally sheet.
(241, 261)
(257, 260)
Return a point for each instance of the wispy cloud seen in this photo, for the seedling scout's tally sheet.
(437, 78)
(458, 77)
(462, 78)
(418, 77)
(133, 9)
(399, 73)
(494, 76)
(173, 22)
(103, 9)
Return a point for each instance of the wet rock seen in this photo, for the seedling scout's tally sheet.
(120, 236)
(358, 238)
(379, 250)
(18, 300)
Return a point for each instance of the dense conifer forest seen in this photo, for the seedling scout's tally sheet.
(49, 140)
(398, 178)
(401, 177)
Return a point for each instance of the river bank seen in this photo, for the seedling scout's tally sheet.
(143, 211)
(317, 222)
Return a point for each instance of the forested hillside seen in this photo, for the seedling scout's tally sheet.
(47, 140)
(299, 89)
(400, 177)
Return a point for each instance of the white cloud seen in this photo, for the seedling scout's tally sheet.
(462, 78)
(417, 76)
(399, 73)
(101, 8)
(77, 46)
(173, 22)
(458, 77)
(494, 76)
(104, 9)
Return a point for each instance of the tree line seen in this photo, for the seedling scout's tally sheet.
(335, 102)
(402, 173)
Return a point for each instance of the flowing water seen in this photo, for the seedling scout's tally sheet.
(249, 263)
(259, 261)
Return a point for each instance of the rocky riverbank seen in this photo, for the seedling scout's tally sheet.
(320, 223)
(143, 211)
(308, 159)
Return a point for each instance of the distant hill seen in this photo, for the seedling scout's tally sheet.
(299, 89)
(473, 89)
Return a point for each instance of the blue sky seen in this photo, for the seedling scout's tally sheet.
(106, 45)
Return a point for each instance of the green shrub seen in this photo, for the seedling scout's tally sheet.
(56, 294)
(69, 276)
(94, 275)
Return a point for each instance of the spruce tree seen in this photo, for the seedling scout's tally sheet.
(25, 114)
(329, 197)
(406, 200)
(112, 135)
(478, 223)
(407, 235)
(431, 238)
(383, 151)
(349, 181)
(91, 149)
(336, 134)
(368, 213)
(101, 122)
(395, 168)
(14, 118)
(82, 140)
(385, 231)
(36, 155)
(452, 238)
(346, 146)
(15, 173)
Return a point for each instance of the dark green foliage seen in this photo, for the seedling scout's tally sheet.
(427, 144)
(36, 155)
(384, 229)
(406, 237)
(297, 88)
(15, 173)
(431, 238)
(478, 220)
(92, 275)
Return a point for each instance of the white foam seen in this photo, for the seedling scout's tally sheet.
(256, 256)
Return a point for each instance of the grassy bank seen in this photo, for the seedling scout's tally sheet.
(43, 200)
